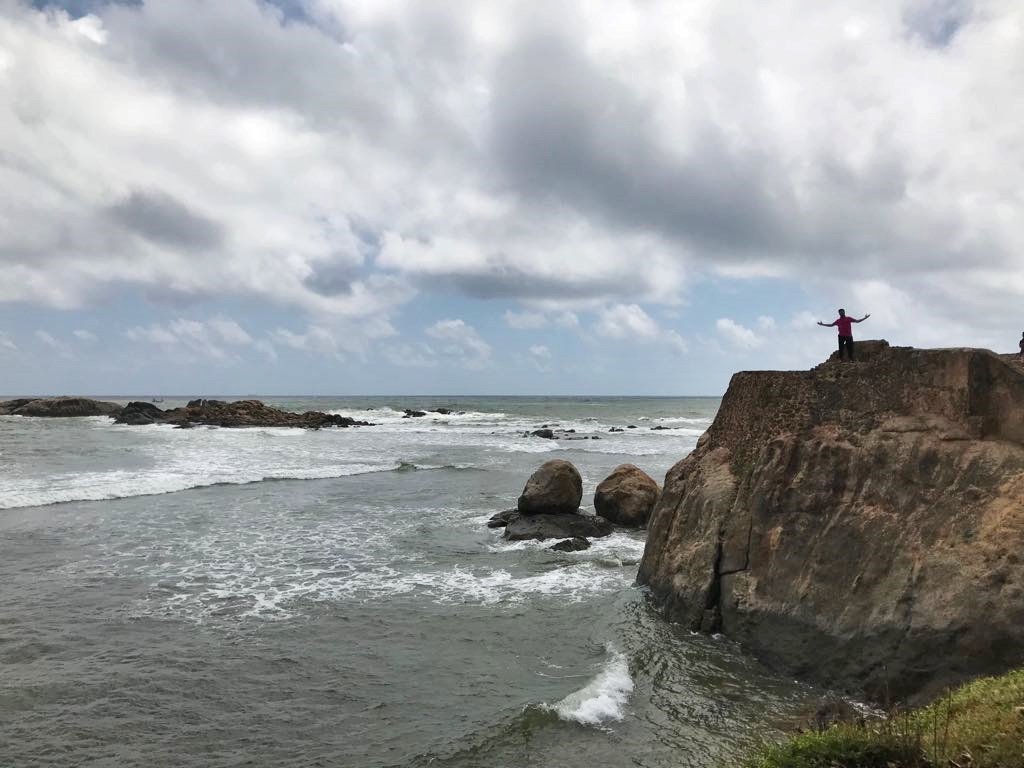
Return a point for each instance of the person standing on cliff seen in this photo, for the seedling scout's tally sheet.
(1021, 355)
(844, 324)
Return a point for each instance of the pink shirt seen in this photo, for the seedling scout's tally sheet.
(845, 326)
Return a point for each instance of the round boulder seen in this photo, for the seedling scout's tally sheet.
(555, 488)
(626, 496)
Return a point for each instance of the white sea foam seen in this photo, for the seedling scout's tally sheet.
(603, 699)
(120, 484)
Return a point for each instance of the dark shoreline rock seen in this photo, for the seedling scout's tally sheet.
(859, 525)
(241, 413)
(58, 407)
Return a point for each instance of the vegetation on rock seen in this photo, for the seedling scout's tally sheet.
(979, 725)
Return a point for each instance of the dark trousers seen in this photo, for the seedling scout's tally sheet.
(846, 341)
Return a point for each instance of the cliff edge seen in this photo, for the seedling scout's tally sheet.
(860, 524)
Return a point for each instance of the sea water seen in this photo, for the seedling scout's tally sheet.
(284, 597)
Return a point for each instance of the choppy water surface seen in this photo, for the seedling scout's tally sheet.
(277, 597)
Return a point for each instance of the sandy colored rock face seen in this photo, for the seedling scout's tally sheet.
(555, 488)
(861, 524)
(626, 496)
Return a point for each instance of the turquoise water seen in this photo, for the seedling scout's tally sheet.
(277, 597)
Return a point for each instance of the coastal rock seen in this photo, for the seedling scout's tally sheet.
(626, 496)
(501, 519)
(556, 526)
(556, 487)
(241, 413)
(571, 545)
(138, 413)
(547, 434)
(442, 411)
(859, 525)
(411, 414)
(58, 407)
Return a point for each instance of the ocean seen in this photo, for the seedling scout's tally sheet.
(281, 597)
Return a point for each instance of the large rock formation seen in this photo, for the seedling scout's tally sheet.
(861, 524)
(58, 407)
(626, 496)
(555, 488)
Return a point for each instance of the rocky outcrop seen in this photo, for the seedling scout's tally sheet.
(861, 524)
(521, 527)
(555, 488)
(58, 407)
(241, 413)
(571, 545)
(626, 496)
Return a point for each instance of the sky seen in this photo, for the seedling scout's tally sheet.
(622, 197)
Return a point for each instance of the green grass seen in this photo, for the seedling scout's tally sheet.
(980, 725)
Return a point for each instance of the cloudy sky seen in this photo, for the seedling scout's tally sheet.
(583, 196)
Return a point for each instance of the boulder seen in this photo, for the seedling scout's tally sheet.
(547, 434)
(626, 496)
(571, 545)
(860, 525)
(442, 411)
(60, 407)
(556, 526)
(556, 487)
(411, 414)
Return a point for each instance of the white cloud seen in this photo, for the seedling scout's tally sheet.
(539, 350)
(316, 340)
(83, 335)
(736, 334)
(462, 342)
(6, 342)
(623, 321)
(47, 339)
(525, 321)
(676, 342)
(206, 338)
(410, 356)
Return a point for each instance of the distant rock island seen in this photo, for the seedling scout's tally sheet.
(860, 524)
(200, 412)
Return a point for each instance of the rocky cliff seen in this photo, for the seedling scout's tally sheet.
(860, 524)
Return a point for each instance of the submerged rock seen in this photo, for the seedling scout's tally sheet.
(556, 487)
(571, 545)
(861, 525)
(411, 414)
(626, 496)
(58, 407)
(547, 434)
(555, 526)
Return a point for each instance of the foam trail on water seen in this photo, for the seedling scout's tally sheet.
(604, 698)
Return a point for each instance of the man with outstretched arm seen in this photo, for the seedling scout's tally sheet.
(843, 323)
